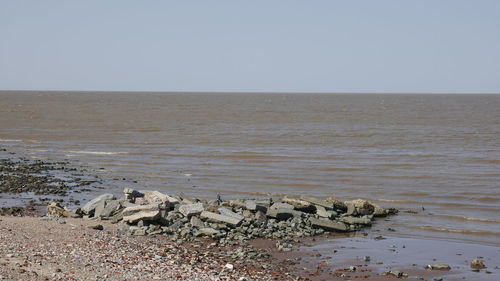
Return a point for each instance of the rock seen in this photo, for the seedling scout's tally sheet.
(361, 207)
(300, 205)
(250, 205)
(213, 217)
(189, 210)
(354, 220)
(237, 203)
(154, 196)
(319, 202)
(260, 216)
(55, 210)
(196, 222)
(143, 215)
(226, 212)
(131, 194)
(329, 225)
(337, 204)
(96, 227)
(477, 264)
(254, 206)
(141, 212)
(208, 231)
(139, 208)
(321, 211)
(107, 208)
(247, 214)
(284, 214)
(439, 266)
(92, 204)
(117, 217)
(396, 273)
(281, 205)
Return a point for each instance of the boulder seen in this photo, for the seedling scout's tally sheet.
(55, 210)
(337, 204)
(92, 204)
(319, 202)
(281, 205)
(107, 208)
(237, 203)
(365, 220)
(196, 222)
(208, 231)
(329, 225)
(227, 212)
(142, 215)
(300, 205)
(359, 207)
(191, 209)
(213, 217)
(140, 208)
(254, 206)
(284, 214)
(321, 211)
(158, 197)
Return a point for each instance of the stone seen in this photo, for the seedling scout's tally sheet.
(140, 208)
(131, 194)
(317, 201)
(300, 205)
(208, 231)
(191, 209)
(154, 196)
(92, 204)
(117, 217)
(196, 222)
(141, 212)
(284, 214)
(254, 206)
(107, 208)
(55, 210)
(477, 264)
(337, 204)
(322, 212)
(213, 217)
(142, 215)
(354, 220)
(281, 205)
(96, 227)
(362, 207)
(237, 203)
(329, 225)
(439, 266)
(227, 212)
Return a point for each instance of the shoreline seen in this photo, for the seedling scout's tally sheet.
(325, 265)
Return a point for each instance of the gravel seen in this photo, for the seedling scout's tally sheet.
(67, 249)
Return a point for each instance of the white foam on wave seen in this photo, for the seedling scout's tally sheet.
(10, 140)
(95, 152)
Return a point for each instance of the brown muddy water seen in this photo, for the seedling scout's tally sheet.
(437, 156)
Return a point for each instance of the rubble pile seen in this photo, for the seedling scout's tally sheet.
(229, 221)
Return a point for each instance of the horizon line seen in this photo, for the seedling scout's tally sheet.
(256, 92)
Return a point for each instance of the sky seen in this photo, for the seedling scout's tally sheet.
(424, 46)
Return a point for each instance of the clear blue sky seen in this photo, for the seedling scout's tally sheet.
(298, 46)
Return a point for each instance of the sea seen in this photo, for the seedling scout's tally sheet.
(435, 157)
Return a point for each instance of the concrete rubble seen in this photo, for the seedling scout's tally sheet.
(229, 221)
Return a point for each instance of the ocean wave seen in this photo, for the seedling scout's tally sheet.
(449, 230)
(10, 140)
(95, 152)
